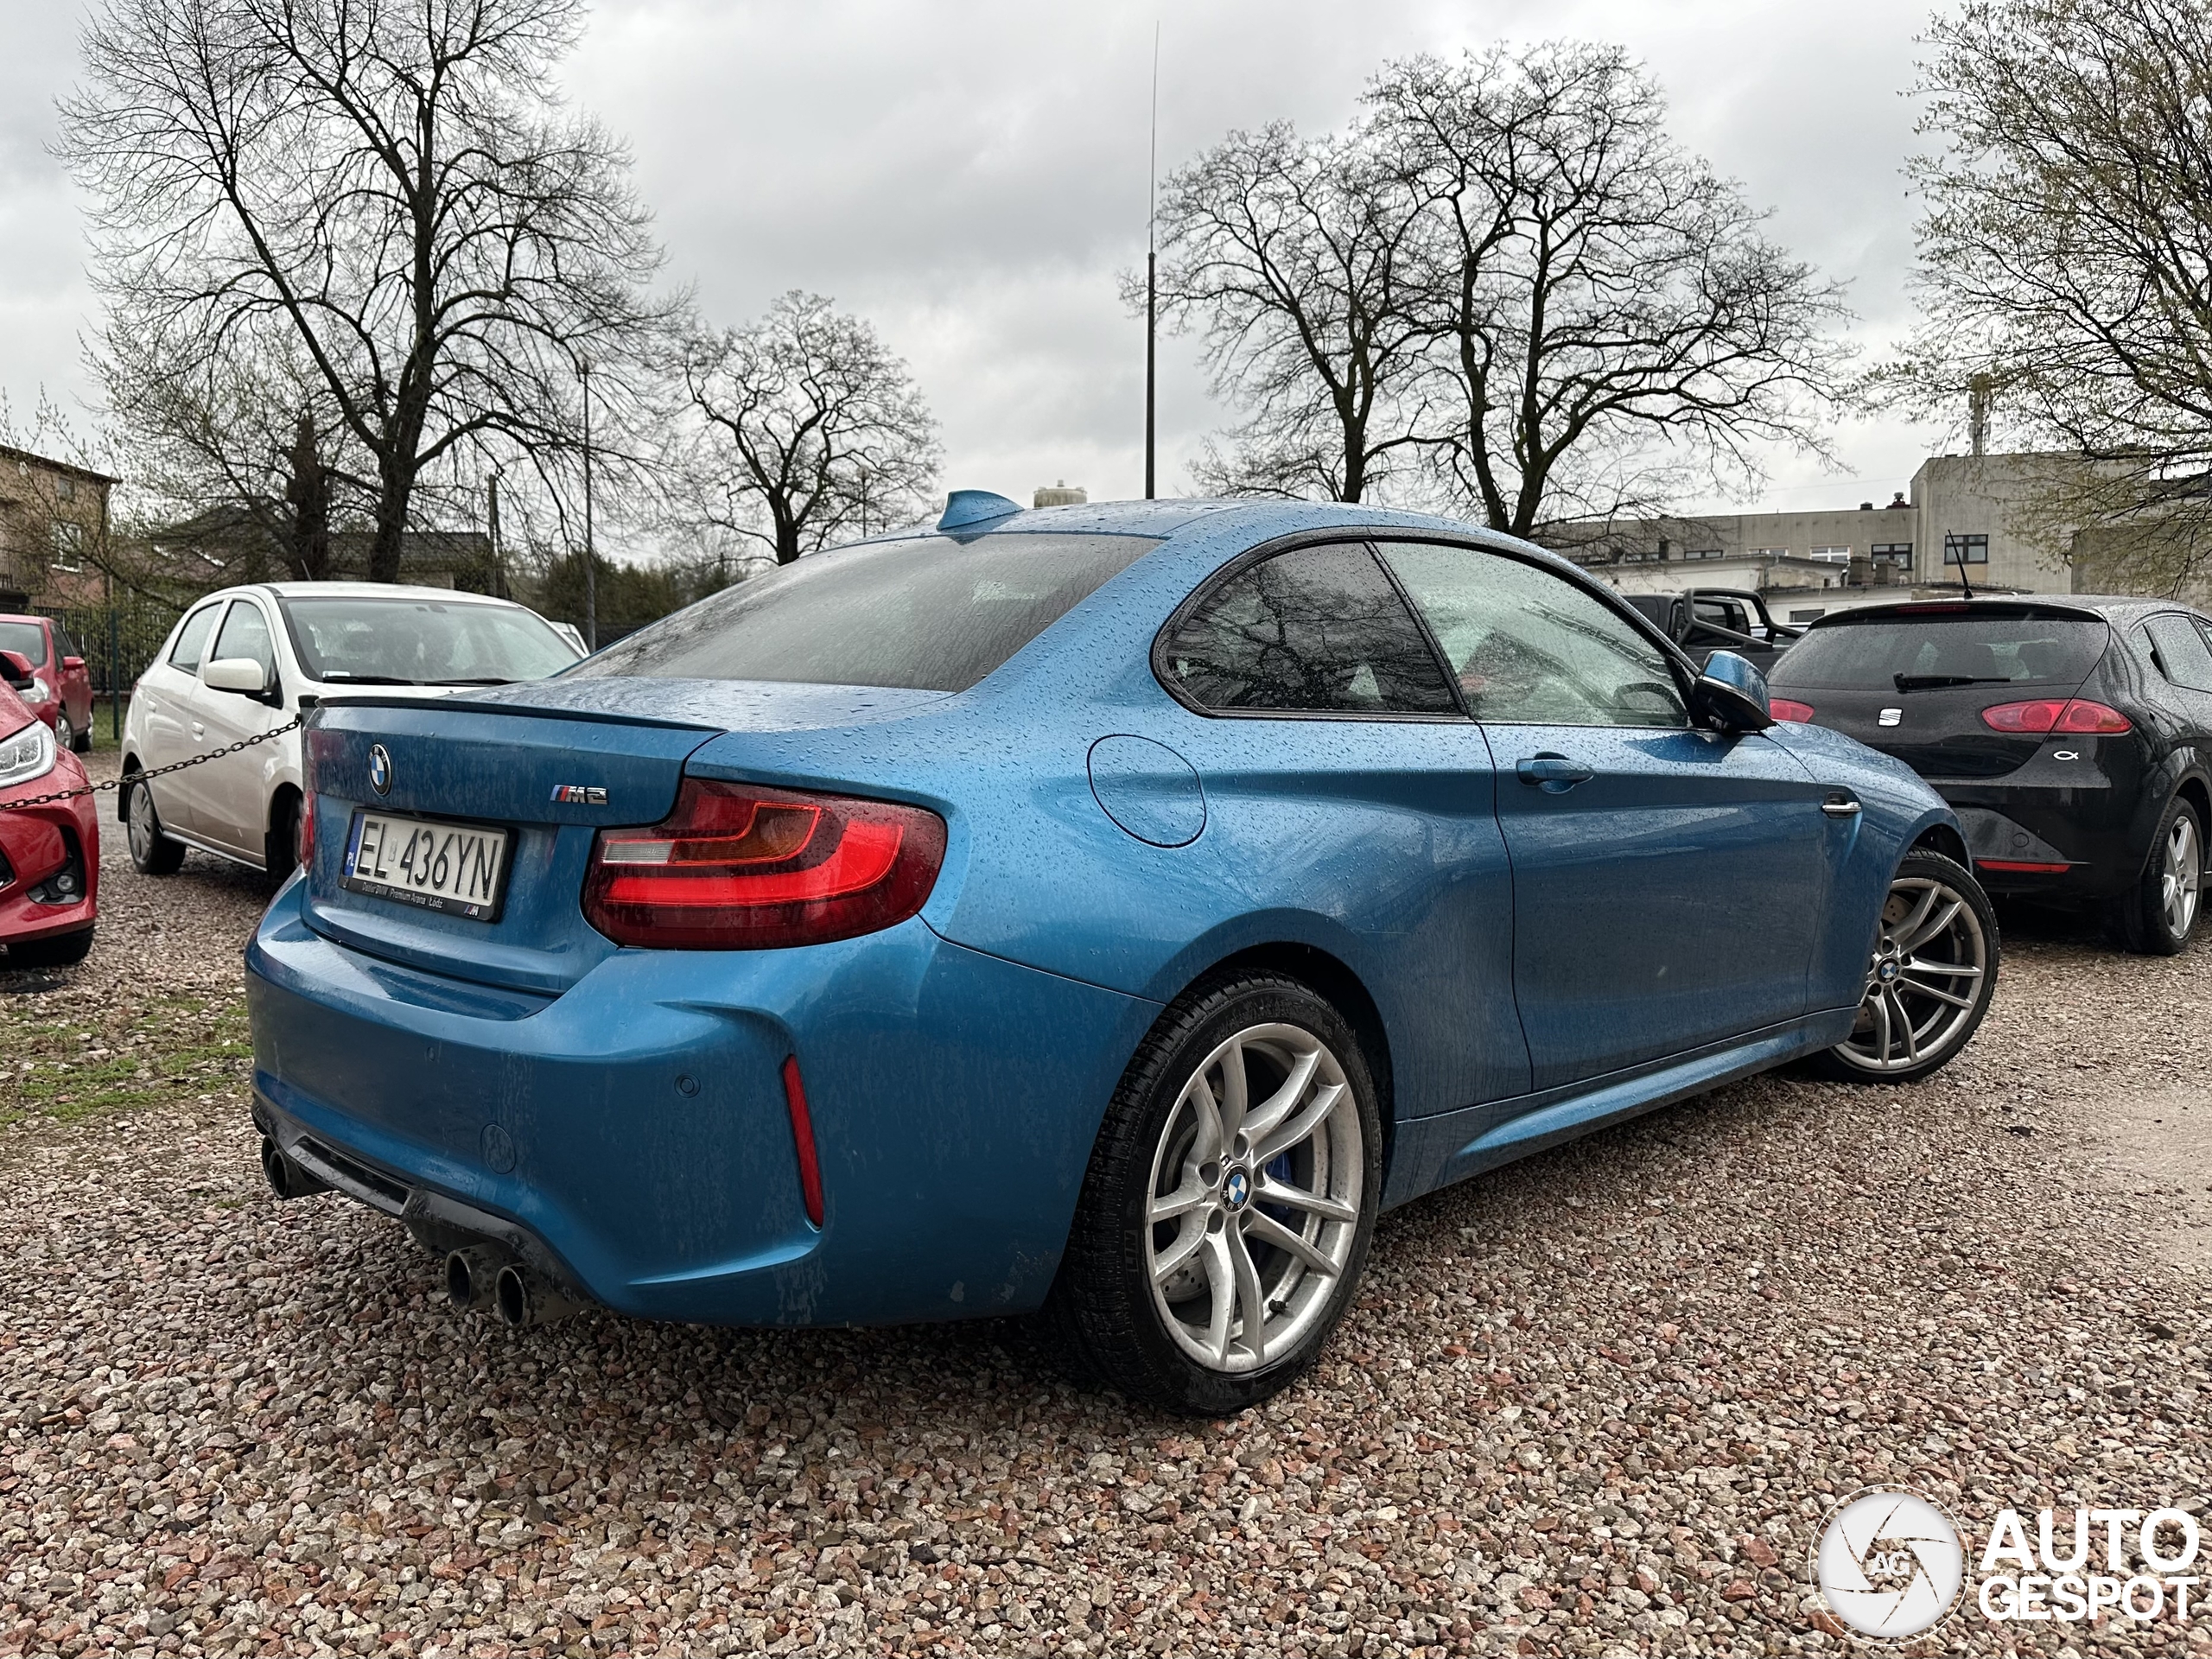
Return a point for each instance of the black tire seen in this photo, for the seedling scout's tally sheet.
(84, 743)
(1103, 1304)
(60, 950)
(152, 852)
(1924, 997)
(2147, 918)
(280, 847)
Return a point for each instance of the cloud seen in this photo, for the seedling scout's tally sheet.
(972, 176)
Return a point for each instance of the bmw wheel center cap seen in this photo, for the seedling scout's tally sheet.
(380, 769)
(1236, 1189)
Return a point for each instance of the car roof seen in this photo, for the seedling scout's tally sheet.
(362, 590)
(1221, 520)
(21, 616)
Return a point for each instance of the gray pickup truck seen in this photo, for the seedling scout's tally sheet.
(1702, 620)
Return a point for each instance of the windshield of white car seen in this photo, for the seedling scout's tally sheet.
(26, 639)
(409, 641)
(931, 613)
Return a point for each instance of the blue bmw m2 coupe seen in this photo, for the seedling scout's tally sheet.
(1105, 910)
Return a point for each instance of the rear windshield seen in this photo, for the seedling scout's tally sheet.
(1910, 653)
(25, 640)
(422, 642)
(931, 613)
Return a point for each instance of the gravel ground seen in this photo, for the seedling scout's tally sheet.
(1595, 1403)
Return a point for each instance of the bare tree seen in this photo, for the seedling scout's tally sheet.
(390, 196)
(1291, 256)
(802, 427)
(2066, 262)
(1606, 324)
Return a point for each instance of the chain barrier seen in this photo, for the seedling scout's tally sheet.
(158, 771)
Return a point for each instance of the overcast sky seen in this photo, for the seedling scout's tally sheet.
(971, 174)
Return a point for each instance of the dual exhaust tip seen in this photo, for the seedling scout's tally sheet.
(487, 1276)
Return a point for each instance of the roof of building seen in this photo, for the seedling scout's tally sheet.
(67, 468)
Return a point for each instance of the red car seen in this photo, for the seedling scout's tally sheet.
(61, 692)
(50, 855)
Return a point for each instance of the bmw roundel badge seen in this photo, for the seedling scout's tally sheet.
(380, 769)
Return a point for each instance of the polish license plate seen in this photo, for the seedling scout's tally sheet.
(457, 870)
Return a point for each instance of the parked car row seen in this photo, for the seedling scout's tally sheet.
(1109, 911)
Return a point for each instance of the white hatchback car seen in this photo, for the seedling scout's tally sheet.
(247, 660)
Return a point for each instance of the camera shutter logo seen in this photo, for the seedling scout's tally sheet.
(1890, 1563)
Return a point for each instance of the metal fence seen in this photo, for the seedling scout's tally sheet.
(118, 642)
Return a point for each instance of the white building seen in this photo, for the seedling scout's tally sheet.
(1973, 511)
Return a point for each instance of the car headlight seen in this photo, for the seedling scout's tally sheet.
(40, 689)
(27, 754)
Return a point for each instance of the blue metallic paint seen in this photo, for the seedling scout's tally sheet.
(958, 1066)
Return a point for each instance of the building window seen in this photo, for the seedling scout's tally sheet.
(1966, 549)
(65, 489)
(1770, 552)
(68, 547)
(1898, 553)
(1831, 554)
(1639, 555)
(1813, 615)
(1705, 553)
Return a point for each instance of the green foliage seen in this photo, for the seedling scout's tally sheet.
(629, 595)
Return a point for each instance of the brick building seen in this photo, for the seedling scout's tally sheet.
(53, 526)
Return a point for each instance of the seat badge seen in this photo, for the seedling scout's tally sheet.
(578, 795)
(1889, 717)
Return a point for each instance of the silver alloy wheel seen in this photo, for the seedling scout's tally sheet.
(142, 823)
(1923, 981)
(2183, 876)
(1255, 1204)
(65, 734)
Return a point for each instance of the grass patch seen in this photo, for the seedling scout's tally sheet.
(147, 1053)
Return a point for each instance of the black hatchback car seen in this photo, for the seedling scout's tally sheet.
(2073, 735)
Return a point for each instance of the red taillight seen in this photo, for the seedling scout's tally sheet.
(2023, 866)
(735, 868)
(1783, 708)
(810, 1166)
(2076, 715)
(304, 852)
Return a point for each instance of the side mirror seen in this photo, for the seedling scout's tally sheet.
(240, 674)
(1730, 696)
(15, 669)
(71, 664)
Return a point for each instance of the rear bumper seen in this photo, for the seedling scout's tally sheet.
(636, 1126)
(2080, 844)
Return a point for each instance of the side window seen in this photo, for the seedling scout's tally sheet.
(2182, 651)
(245, 633)
(1317, 630)
(192, 639)
(1532, 649)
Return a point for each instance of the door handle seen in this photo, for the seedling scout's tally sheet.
(1553, 773)
(1840, 805)
(197, 730)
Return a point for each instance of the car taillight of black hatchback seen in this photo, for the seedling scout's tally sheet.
(737, 868)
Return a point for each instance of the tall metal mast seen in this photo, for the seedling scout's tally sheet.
(1151, 276)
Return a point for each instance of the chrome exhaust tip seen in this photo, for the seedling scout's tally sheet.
(524, 1298)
